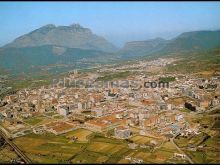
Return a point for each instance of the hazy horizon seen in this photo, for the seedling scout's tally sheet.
(118, 22)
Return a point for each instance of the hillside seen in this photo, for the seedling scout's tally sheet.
(206, 62)
(196, 41)
(192, 42)
(50, 58)
(141, 48)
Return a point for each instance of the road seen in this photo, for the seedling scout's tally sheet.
(181, 151)
(17, 150)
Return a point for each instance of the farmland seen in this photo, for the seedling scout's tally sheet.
(89, 147)
(81, 134)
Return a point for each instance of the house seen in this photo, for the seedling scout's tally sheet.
(178, 117)
(122, 132)
(83, 105)
(137, 161)
(182, 156)
(127, 157)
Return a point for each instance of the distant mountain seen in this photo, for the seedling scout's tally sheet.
(141, 48)
(186, 42)
(73, 36)
(66, 47)
(192, 41)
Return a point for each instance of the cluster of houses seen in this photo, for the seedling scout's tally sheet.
(148, 109)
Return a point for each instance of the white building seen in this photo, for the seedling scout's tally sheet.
(63, 110)
(178, 117)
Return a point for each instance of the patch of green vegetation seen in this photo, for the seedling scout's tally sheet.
(213, 142)
(197, 156)
(34, 120)
(58, 117)
(166, 79)
(115, 76)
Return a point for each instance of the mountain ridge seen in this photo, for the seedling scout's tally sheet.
(185, 42)
(73, 36)
(41, 55)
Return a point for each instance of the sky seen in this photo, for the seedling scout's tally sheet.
(118, 22)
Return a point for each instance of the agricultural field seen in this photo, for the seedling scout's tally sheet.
(209, 153)
(81, 134)
(195, 140)
(144, 139)
(103, 147)
(96, 148)
(47, 148)
(6, 154)
(160, 155)
(88, 157)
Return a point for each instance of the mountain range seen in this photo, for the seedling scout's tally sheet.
(77, 46)
(73, 36)
(185, 42)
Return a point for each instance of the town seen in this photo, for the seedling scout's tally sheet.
(149, 120)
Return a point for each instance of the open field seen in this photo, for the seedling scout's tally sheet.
(144, 139)
(34, 120)
(6, 154)
(81, 134)
(159, 155)
(89, 157)
(47, 148)
(168, 146)
(107, 148)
